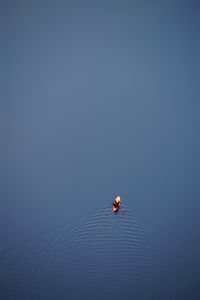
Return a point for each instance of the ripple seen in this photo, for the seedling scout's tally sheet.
(106, 256)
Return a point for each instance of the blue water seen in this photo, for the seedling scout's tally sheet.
(99, 98)
(105, 256)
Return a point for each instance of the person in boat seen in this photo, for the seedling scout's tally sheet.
(116, 204)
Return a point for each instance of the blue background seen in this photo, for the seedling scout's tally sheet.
(100, 98)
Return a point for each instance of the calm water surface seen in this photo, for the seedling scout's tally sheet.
(106, 256)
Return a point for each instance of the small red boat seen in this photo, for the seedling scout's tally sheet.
(116, 204)
(115, 207)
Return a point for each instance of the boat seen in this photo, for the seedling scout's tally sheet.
(116, 204)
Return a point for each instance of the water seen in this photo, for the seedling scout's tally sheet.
(106, 256)
(99, 98)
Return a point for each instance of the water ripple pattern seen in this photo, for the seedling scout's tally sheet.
(107, 256)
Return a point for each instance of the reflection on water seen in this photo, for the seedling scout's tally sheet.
(107, 256)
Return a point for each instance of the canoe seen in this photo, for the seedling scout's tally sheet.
(115, 207)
